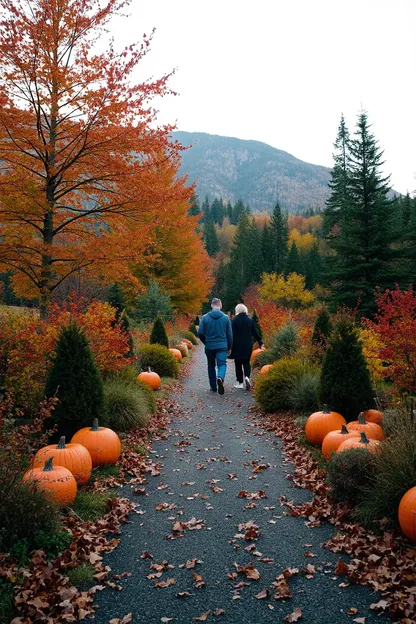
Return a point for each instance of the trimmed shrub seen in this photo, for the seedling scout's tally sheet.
(349, 472)
(285, 343)
(304, 394)
(75, 380)
(322, 328)
(191, 337)
(159, 359)
(395, 472)
(25, 511)
(345, 378)
(159, 335)
(273, 392)
(127, 404)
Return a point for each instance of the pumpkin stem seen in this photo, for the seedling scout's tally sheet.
(325, 409)
(48, 465)
(61, 443)
(95, 425)
(149, 370)
(344, 429)
(361, 419)
(363, 438)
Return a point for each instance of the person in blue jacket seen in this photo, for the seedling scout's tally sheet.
(216, 334)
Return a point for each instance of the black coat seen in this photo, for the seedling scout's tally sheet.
(244, 331)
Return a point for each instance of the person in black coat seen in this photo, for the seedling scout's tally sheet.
(244, 331)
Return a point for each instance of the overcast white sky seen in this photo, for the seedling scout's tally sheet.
(283, 71)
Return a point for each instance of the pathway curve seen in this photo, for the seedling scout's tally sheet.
(192, 511)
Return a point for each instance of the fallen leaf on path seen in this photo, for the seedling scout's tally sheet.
(294, 616)
(360, 620)
(146, 555)
(165, 619)
(219, 612)
(202, 618)
(263, 594)
(167, 583)
(352, 611)
(125, 620)
(183, 594)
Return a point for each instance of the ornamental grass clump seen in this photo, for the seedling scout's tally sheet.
(349, 473)
(159, 359)
(128, 404)
(395, 472)
(275, 391)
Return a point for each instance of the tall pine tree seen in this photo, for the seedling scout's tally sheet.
(210, 238)
(279, 240)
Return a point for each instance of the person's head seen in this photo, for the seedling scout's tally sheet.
(240, 308)
(216, 304)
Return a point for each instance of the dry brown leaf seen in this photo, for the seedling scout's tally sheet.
(294, 616)
(202, 618)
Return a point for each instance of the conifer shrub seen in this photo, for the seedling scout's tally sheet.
(127, 404)
(345, 378)
(395, 472)
(75, 380)
(125, 325)
(285, 343)
(349, 473)
(256, 321)
(322, 328)
(193, 330)
(159, 359)
(116, 299)
(191, 337)
(159, 335)
(274, 391)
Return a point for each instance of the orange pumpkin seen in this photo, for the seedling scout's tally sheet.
(372, 430)
(334, 439)
(183, 349)
(56, 481)
(72, 456)
(103, 443)
(150, 378)
(265, 369)
(255, 353)
(407, 514)
(320, 423)
(176, 353)
(362, 442)
(188, 343)
(374, 416)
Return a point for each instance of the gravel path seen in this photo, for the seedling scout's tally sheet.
(213, 453)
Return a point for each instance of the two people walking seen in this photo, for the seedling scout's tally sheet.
(222, 339)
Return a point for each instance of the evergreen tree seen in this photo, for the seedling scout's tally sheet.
(253, 254)
(159, 335)
(314, 267)
(322, 328)
(345, 379)
(256, 321)
(75, 380)
(238, 210)
(238, 271)
(267, 249)
(293, 261)
(336, 205)
(205, 208)
(194, 209)
(116, 299)
(229, 211)
(409, 252)
(125, 326)
(218, 211)
(152, 303)
(210, 238)
(364, 248)
(280, 237)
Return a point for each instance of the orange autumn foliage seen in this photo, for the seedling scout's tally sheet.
(86, 174)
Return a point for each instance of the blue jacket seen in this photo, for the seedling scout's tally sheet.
(215, 331)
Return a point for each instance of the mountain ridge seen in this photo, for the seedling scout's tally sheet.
(253, 171)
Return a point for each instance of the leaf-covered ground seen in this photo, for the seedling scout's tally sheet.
(221, 532)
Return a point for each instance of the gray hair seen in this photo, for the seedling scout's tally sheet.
(241, 308)
(216, 303)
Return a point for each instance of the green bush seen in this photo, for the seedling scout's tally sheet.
(349, 472)
(193, 330)
(304, 394)
(159, 359)
(322, 328)
(191, 337)
(51, 543)
(75, 380)
(285, 343)
(152, 303)
(159, 335)
(345, 379)
(275, 391)
(395, 472)
(25, 511)
(7, 609)
(127, 404)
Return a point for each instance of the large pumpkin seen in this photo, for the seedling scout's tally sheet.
(334, 439)
(183, 349)
(56, 481)
(320, 423)
(188, 343)
(176, 353)
(362, 442)
(150, 378)
(407, 514)
(372, 430)
(75, 457)
(103, 443)
(374, 416)
(255, 353)
(265, 369)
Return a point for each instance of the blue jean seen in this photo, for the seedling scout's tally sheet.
(216, 358)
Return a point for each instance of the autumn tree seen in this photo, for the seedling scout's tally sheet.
(288, 292)
(82, 176)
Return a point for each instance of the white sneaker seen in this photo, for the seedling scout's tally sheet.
(247, 384)
(240, 386)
